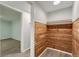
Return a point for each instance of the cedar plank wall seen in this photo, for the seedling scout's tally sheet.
(40, 35)
(53, 36)
(76, 38)
(60, 37)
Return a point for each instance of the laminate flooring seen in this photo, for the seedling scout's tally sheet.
(53, 53)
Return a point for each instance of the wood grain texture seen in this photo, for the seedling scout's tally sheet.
(60, 37)
(76, 38)
(40, 35)
(53, 36)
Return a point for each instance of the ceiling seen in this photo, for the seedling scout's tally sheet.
(48, 6)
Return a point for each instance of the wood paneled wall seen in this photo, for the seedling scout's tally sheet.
(60, 37)
(76, 38)
(53, 36)
(40, 38)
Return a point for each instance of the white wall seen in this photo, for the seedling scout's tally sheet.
(16, 29)
(5, 29)
(10, 22)
(76, 10)
(10, 29)
(39, 15)
(25, 34)
(62, 14)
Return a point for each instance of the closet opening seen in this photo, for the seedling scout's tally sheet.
(14, 30)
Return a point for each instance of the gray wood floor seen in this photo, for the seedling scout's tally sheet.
(9, 46)
(53, 53)
(24, 54)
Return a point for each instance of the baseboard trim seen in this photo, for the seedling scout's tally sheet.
(25, 50)
(55, 50)
(42, 52)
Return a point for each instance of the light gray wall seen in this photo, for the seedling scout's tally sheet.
(76, 10)
(63, 14)
(39, 15)
(10, 23)
(25, 33)
(16, 29)
(5, 29)
(10, 29)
